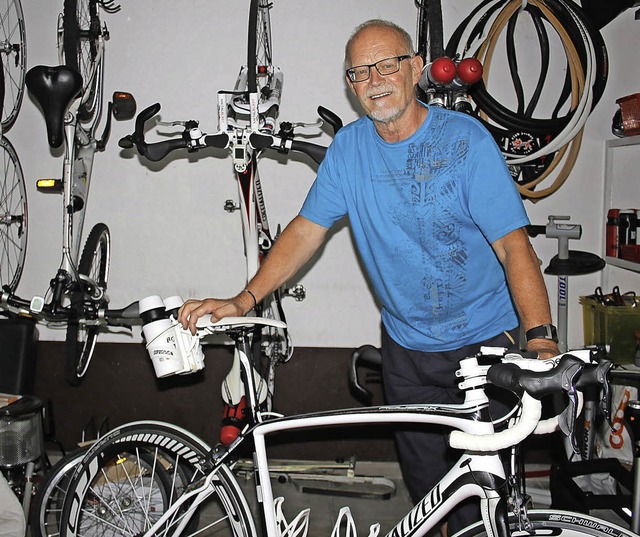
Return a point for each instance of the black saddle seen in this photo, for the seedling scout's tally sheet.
(54, 89)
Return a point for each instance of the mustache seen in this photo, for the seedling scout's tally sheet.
(378, 90)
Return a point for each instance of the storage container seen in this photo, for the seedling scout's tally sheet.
(613, 326)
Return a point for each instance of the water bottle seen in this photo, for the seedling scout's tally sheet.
(188, 344)
(159, 334)
(172, 304)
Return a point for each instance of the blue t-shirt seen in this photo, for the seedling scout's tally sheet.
(424, 212)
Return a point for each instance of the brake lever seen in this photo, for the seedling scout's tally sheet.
(567, 420)
(599, 373)
(602, 372)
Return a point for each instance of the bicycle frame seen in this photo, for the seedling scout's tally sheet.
(255, 225)
(475, 469)
(80, 149)
(481, 474)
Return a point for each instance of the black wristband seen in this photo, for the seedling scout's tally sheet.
(255, 301)
(544, 331)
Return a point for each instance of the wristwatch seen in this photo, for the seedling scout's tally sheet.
(544, 331)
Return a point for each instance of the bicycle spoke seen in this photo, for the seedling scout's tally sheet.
(13, 51)
(82, 31)
(13, 217)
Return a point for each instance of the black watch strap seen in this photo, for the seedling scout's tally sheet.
(544, 331)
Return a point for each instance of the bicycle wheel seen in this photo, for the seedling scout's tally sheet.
(13, 55)
(94, 272)
(130, 494)
(557, 523)
(46, 509)
(13, 217)
(80, 42)
(90, 494)
(259, 52)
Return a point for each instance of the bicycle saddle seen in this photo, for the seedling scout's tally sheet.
(54, 89)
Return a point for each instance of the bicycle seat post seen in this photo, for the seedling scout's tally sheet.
(241, 335)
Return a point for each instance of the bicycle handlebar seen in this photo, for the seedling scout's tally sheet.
(534, 379)
(13, 304)
(193, 139)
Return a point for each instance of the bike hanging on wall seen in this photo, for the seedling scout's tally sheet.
(13, 194)
(247, 126)
(70, 96)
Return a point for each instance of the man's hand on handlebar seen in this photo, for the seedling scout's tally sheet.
(193, 309)
(545, 348)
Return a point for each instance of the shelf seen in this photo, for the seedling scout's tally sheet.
(621, 142)
(622, 263)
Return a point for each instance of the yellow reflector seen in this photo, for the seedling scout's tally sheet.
(46, 183)
(121, 460)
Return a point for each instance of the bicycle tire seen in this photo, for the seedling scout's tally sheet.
(13, 55)
(259, 49)
(558, 524)
(46, 509)
(81, 31)
(13, 217)
(130, 493)
(81, 340)
(159, 440)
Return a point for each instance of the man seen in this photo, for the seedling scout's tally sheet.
(439, 226)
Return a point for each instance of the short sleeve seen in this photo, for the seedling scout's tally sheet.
(325, 203)
(493, 199)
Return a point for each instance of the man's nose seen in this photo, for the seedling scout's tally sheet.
(375, 78)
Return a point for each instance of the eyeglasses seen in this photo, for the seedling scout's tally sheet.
(385, 67)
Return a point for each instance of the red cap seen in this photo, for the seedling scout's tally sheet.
(442, 70)
(469, 71)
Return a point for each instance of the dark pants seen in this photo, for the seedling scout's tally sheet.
(429, 377)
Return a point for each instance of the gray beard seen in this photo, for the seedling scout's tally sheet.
(387, 117)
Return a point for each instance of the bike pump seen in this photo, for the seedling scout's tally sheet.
(566, 263)
(569, 263)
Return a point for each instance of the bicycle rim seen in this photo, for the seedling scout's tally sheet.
(259, 51)
(81, 33)
(81, 338)
(13, 217)
(91, 492)
(46, 509)
(547, 523)
(13, 52)
(129, 494)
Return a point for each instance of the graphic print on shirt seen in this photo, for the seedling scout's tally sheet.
(428, 212)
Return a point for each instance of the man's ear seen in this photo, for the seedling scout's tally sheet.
(417, 64)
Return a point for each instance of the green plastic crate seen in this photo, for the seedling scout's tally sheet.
(613, 326)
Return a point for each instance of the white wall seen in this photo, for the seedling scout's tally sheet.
(170, 234)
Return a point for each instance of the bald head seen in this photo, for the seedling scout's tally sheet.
(378, 23)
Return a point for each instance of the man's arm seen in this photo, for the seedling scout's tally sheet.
(527, 286)
(295, 246)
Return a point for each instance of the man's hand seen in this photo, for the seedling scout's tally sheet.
(544, 347)
(192, 310)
